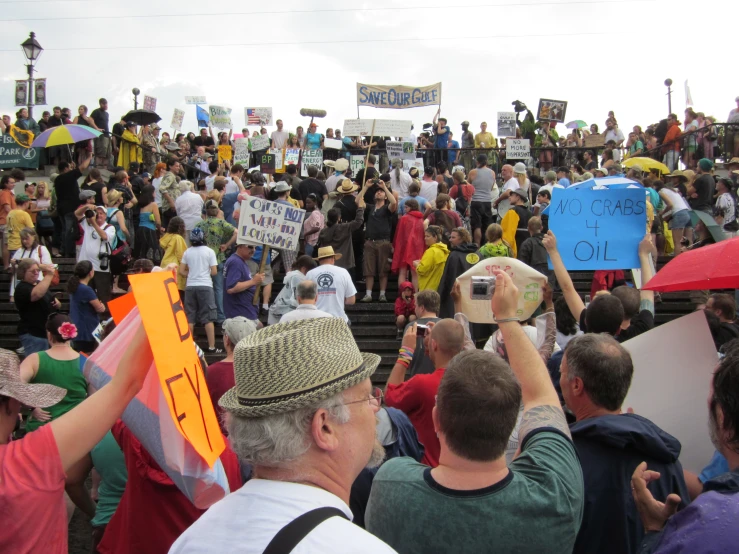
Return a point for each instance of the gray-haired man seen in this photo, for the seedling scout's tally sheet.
(307, 292)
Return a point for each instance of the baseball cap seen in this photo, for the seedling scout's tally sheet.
(85, 194)
(211, 204)
(551, 175)
(238, 328)
(22, 197)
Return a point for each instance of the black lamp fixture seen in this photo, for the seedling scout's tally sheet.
(32, 50)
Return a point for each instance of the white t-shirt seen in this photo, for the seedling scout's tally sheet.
(429, 191)
(334, 285)
(614, 134)
(246, 521)
(677, 201)
(209, 182)
(505, 205)
(401, 184)
(231, 186)
(550, 187)
(189, 207)
(92, 245)
(199, 260)
(157, 195)
(304, 311)
(279, 139)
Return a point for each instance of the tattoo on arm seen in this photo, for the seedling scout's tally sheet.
(543, 416)
(647, 305)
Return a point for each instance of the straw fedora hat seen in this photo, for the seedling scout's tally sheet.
(38, 396)
(327, 252)
(288, 366)
(347, 187)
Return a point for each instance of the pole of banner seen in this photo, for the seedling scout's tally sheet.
(366, 159)
(265, 257)
(357, 111)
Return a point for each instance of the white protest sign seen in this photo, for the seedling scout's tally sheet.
(292, 156)
(356, 163)
(150, 103)
(332, 143)
(506, 124)
(195, 100)
(270, 223)
(382, 127)
(517, 149)
(260, 143)
(241, 151)
(177, 118)
(673, 367)
(220, 117)
(277, 153)
(258, 116)
(402, 150)
(476, 304)
(415, 162)
(311, 157)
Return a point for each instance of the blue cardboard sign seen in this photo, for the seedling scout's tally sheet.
(598, 229)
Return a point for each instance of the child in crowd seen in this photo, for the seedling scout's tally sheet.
(405, 307)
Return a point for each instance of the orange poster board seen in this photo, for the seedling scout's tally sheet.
(121, 306)
(177, 363)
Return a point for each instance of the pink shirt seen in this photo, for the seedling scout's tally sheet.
(32, 505)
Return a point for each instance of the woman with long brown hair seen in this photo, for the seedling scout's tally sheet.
(83, 149)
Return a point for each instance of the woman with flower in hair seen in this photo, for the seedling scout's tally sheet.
(84, 306)
(59, 366)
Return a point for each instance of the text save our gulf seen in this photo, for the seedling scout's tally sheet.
(177, 363)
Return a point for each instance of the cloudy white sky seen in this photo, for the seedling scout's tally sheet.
(597, 55)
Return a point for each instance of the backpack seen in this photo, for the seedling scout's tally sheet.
(460, 202)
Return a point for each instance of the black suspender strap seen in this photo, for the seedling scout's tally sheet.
(291, 534)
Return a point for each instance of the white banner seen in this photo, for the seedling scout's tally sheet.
(260, 143)
(402, 150)
(416, 162)
(332, 143)
(382, 128)
(220, 117)
(311, 157)
(177, 118)
(195, 100)
(241, 151)
(270, 223)
(398, 96)
(260, 117)
(506, 124)
(517, 149)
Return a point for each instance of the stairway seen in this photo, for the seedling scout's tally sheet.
(373, 324)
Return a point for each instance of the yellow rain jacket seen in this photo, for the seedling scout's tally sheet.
(174, 247)
(130, 150)
(431, 267)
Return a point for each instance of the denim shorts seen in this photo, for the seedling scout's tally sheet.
(680, 220)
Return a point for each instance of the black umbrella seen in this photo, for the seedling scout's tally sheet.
(141, 117)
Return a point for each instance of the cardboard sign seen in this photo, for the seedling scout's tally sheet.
(528, 281)
(399, 149)
(598, 229)
(265, 222)
(260, 143)
(267, 163)
(680, 354)
(177, 363)
(120, 307)
(311, 157)
(260, 117)
(225, 152)
(517, 149)
(195, 100)
(220, 117)
(382, 128)
(150, 103)
(398, 97)
(552, 110)
(177, 118)
(292, 156)
(415, 162)
(506, 124)
(356, 163)
(332, 144)
(241, 155)
(279, 160)
(594, 141)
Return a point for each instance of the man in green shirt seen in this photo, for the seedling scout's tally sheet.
(473, 502)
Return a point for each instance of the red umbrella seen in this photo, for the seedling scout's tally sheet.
(711, 267)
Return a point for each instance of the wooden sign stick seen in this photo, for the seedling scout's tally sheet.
(366, 160)
(265, 257)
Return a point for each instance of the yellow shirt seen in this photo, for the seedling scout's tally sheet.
(487, 138)
(431, 267)
(17, 220)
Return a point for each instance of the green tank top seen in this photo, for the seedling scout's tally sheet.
(62, 373)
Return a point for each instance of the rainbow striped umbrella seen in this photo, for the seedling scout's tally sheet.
(65, 134)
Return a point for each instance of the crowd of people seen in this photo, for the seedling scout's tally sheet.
(464, 449)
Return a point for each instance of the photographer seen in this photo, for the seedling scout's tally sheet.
(96, 247)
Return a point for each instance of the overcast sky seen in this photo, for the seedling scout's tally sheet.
(597, 55)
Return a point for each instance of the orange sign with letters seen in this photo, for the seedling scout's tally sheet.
(177, 362)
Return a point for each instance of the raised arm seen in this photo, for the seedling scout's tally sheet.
(645, 261)
(574, 302)
(540, 401)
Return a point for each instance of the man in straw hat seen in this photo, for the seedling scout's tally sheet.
(302, 414)
(34, 468)
(335, 286)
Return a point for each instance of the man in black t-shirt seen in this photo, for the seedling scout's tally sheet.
(102, 143)
(590, 164)
(311, 185)
(368, 173)
(700, 193)
(34, 303)
(204, 140)
(67, 190)
(378, 245)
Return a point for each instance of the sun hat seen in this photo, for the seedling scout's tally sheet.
(288, 366)
(155, 127)
(689, 174)
(677, 173)
(347, 187)
(281, 187)
(587, 175)
(520, 167)
(704, 163)
(603, 170)
(733, 161)
(327, 252)
(36, 395)
(342, 164)
(238, 328)
(551, 175)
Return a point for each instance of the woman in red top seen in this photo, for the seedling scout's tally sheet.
(408, 245)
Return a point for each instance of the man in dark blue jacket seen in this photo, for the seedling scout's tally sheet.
(596, 373)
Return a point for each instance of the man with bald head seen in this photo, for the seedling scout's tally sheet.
(416, 396)
(510, 183)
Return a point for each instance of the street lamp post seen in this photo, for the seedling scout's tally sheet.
(32, 50)
(668, 83)
(136, 93)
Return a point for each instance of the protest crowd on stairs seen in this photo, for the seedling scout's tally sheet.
(408, 343)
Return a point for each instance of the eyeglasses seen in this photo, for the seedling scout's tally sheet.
(374, 400)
